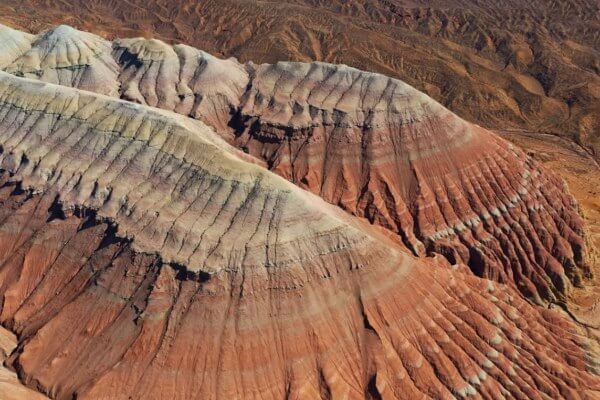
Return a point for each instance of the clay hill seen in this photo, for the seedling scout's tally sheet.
(175, 225)
(510, 64)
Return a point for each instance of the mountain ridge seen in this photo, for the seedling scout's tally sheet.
(397, 157)
(144, 256)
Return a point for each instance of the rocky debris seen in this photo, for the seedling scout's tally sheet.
(377, 148)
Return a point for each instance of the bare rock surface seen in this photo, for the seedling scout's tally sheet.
(350, 324)
(12, 45)
(144, 256)
(10, 386)
(372, 145)
(69, 57)
(506, 64)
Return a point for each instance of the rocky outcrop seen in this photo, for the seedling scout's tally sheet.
(372, 145)
(342, 325)
(180, 78)
(381, 150)
(12, 45)
(143, 257)
(69, 57)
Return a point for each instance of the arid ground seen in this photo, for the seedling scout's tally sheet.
(531, 65)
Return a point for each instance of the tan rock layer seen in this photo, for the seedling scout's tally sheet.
(170, 182)
(370, 144)
(10, 386)
(505, 64)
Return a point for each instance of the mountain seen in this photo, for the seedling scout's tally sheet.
(370, 144)
(313, 231)
(519, 65)
(175, 268)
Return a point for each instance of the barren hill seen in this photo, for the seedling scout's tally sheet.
(530, 65)
(152, 261)
(370, 144)
(150, 247)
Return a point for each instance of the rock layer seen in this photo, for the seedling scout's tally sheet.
(358, 322)
(370, 144)
(144, 257)
(508, 64)
(10, 386)
(66, 56)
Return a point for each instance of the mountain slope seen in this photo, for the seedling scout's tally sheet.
(370, 144)
(143, 257)
(509, 65)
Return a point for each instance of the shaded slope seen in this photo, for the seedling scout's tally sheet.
(318, 305)
(10, 386)
(376, 147)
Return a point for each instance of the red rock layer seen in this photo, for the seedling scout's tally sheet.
(142, 257)
(381, 150)
(370, 144)
(98, 320)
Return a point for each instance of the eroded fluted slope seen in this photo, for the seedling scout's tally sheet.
(12, 45)
(69, 57)
(98, 320)
(10, 386)
(382, 150)
(143, 257)
(168, 181)
(372, 145)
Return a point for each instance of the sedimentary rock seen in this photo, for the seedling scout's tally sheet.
(370, 144)
(12, 45)
(180, 78)
(507, 64)
(381, 150)
(143, 257)
(66, 56)
(10, 386)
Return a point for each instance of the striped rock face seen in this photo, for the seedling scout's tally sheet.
(66, 56)
(370, 144)
(142, 256)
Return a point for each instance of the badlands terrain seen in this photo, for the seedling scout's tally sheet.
(511, 64)
(175, 225)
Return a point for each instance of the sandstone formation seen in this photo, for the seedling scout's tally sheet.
(12, 45)
(370, 144)
(69, 57)
(142, 257)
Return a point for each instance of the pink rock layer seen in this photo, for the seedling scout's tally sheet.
(143, 257)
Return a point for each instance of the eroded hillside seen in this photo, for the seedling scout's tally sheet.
(530, 65)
